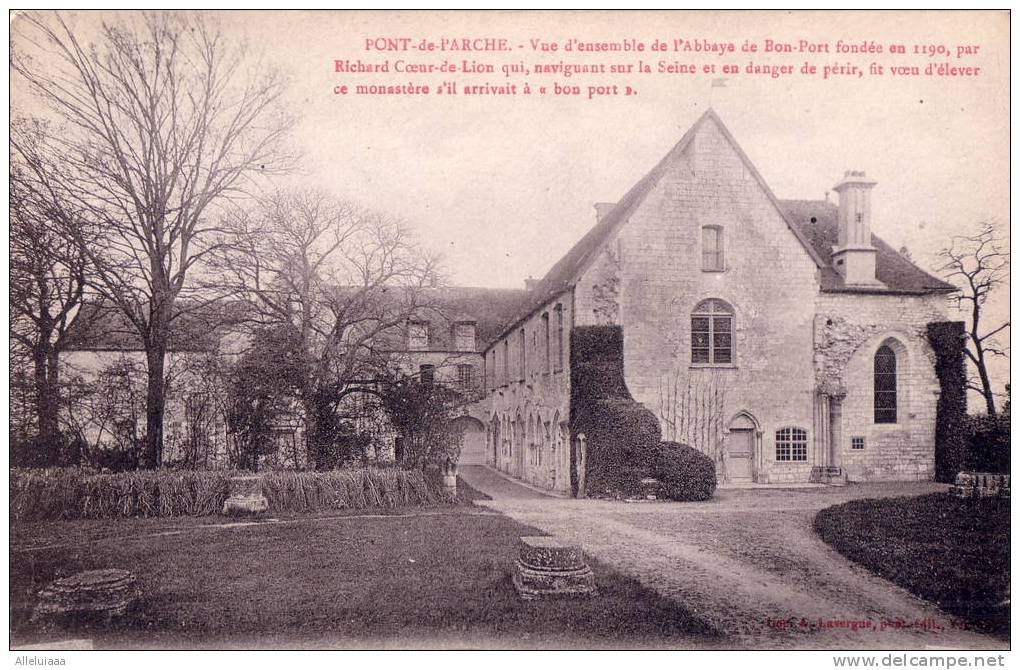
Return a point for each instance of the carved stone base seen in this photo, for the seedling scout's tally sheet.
(549, 568)
(110, 592)
(981, 485)
(246, 497)
(828, 474)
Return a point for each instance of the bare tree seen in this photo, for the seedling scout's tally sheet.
(166, 120)
(343, 284)
(978, 265)
(48, 277)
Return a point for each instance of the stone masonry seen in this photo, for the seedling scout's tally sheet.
(803, 351)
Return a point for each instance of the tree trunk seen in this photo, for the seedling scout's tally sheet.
(311, 430)
(986, 383)
(44, 359)
(155, 404)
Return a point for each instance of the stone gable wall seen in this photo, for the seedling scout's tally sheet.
(655, 263)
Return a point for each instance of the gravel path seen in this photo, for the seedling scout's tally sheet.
(748, 562)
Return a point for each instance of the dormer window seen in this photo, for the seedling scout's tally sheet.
(418, 335)
(464, 336)
(712, 249)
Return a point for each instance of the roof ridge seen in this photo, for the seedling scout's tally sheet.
(579, 257)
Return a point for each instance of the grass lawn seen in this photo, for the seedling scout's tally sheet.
(951, 551)
(433, 578)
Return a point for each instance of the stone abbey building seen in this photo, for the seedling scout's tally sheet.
(780, 337)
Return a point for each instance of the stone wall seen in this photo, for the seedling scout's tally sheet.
(849, 329)
(769, 280)
(794, 346)
(527, 415)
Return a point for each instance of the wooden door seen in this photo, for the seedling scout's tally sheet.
(739, 452)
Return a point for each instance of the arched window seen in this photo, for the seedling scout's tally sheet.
(791, 444)
(885, 385)
(712, 333)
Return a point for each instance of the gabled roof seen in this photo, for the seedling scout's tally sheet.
(569, 268)
(818, 220)
(897, 273)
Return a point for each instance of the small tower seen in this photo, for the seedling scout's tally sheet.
(854, 256)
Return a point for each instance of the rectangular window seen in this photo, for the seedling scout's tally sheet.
(506, 362)
(523, 360)
(548, 350)
(418, 335)
(427, 373)
(856, 442)
(559, 337)
(534, 349)
(712, 248)
(465, 375)
(791, 444)
(464, 336)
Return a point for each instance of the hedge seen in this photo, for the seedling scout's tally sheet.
(988, 443)
(684, 473)
(73, 493)
(947, 339)
(621, 434)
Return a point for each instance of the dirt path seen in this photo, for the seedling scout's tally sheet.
(748, 562)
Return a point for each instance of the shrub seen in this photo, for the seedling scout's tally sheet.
(74, 493)
(347, 489)
(988, 443)
(35, 452)
(684, 473)
(61, 449)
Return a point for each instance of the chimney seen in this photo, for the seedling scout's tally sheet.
(854, 256)
(603, 208)
(530, 283)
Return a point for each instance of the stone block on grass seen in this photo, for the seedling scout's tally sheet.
(109, 592)
(547, 567)
(246, 498)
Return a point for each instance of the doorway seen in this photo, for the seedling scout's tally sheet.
(741, 440)
(472, 440)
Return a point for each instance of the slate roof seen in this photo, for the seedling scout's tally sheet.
(817, 219)
(490, 309)
(103, 327)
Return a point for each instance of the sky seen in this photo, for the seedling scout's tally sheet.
(503, 186)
